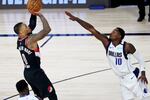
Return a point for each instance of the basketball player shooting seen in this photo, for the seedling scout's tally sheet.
(29, 50)
(133, 80)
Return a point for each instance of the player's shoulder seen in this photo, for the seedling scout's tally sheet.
(129, 47)
(30, 38)
(28, 97)
(128, 44)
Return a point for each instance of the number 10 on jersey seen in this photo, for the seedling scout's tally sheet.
(118, 61)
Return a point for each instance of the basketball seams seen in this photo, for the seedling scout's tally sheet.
(34, 5)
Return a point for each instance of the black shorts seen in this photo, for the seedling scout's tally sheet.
(39, 82)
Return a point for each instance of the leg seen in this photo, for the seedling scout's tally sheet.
(147, 98)
(126, 94)
(141, 7)
(44, 85)
(141, 91)
(149, 10)
(52, 96)
(29, 78)
(36, 91)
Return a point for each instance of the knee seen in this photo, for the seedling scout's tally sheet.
(53, 96)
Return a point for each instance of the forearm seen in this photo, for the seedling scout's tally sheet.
(41, 34)
(84, 24)
(32, 22)
(46, 28)
(96, 33)
(140, 60)
(90, 28)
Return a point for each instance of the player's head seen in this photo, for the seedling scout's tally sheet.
(22, 87)
(21, 29)
(117, 34)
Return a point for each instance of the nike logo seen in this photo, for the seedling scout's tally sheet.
(132, 77)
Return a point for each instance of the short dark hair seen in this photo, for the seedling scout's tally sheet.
(21, 85)
(17, 27)
(121, 31)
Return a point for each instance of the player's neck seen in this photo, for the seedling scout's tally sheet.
(22, 36)
(116, 42)
(23, 94)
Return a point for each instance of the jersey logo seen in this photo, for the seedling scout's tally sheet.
(50, 89)
(132, 77)
(115, 54)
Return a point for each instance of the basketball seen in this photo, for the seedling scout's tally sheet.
(34, 5)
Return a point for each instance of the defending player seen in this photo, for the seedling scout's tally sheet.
(133, 80)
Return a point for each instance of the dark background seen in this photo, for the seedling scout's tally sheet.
(105, 3)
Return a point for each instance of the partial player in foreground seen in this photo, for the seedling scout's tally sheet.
(23, 89)
(133, 80)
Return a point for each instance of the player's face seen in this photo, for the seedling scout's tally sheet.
(24, 29)
(115, 35)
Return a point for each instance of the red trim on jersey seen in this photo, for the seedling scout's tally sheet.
(20, 39)
(37, 49)
(26, 43)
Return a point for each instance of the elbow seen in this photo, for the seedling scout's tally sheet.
(47, 30)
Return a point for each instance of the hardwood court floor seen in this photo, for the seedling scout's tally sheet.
(65, 57)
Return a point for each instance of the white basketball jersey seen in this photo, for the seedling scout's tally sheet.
(118, 59)
(28, 97)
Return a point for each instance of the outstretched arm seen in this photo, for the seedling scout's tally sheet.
(131, 49)
(40, 35)
(90, 28)
(32, 22)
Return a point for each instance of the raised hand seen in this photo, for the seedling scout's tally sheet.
(71, 17)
